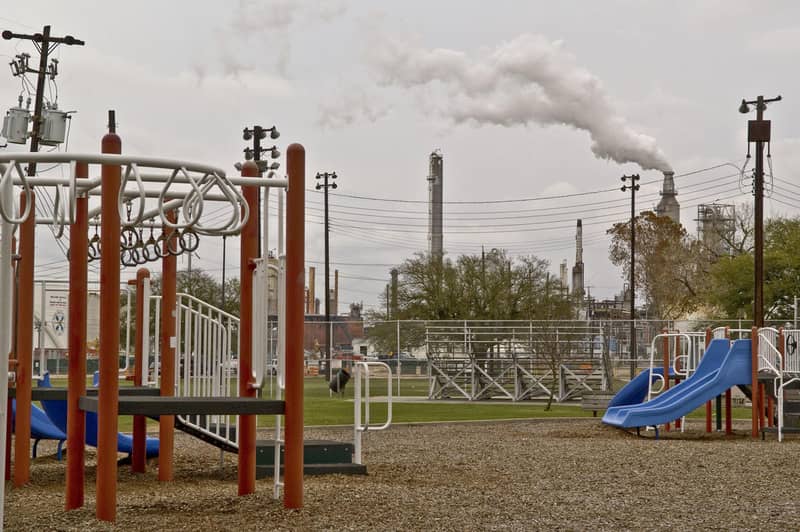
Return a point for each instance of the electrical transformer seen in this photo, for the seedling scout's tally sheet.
(15, 125)
(54, 127)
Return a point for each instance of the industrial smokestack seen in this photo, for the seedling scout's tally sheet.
(335, 299)
(435, 197)
(668, 204)
(312, 280)
(577, 270)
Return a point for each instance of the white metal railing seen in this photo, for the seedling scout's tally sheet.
(206, 361)
(360, 426)
(770, 360)
(682, 356)
(769, 356)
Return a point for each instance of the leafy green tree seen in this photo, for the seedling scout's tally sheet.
(490, 286)
(730, 281)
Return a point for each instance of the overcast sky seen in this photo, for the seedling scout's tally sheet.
(526, 100)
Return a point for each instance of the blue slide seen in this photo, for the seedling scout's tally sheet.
(57, 412)
(723, 366)
(41, 428)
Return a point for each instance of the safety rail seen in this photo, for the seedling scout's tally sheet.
(361, 370)
(770, 359)
(687, 354)
(206, 361)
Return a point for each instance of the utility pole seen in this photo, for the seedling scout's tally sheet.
(257, 134)
(327, 183)
(45, 44)
(758, 131)
(633, 187)
(394, 273)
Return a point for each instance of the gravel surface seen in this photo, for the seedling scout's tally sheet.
(572, 474)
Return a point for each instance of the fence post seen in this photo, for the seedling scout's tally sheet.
(399, 371)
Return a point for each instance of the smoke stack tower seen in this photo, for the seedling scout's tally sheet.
(577, 270)
(312, 295)
(668, 206)
(435, 198)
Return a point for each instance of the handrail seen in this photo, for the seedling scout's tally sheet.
(358, 426)
(774, 351)
(685, 372)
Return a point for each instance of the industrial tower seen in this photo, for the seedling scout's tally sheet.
(668, 205)
(716, 227)
(435, 197)
(577, 270)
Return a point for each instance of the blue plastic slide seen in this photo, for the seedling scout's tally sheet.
(636, 390)
(57, 412)
(41, 428)
(721, 367)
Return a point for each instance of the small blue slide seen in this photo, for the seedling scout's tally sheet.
(57, 412)
(723, 366)
(41, 428)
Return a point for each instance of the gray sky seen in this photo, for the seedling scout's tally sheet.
(525, 100)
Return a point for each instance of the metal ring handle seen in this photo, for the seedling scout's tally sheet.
(131, 168)
(189, 240)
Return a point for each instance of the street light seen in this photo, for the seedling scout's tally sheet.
(758, 131)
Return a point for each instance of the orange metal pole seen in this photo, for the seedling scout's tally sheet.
(108, 393)
(708, 404)
(139, 454)
(248, 253)
(76, 370)
(295, 285)
(168, 344)
(754, 381)
(24, 355)
(665, 346)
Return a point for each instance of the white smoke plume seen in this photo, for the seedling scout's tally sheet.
(528, 80)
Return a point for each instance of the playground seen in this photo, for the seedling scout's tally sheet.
(238, 443)
(520, 475)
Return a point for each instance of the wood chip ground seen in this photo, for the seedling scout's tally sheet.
(533, 475)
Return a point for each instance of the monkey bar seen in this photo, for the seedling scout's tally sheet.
(172, 196)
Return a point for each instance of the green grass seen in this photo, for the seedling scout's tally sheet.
(320, 408)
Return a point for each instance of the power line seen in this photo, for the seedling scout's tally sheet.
(518, 200)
